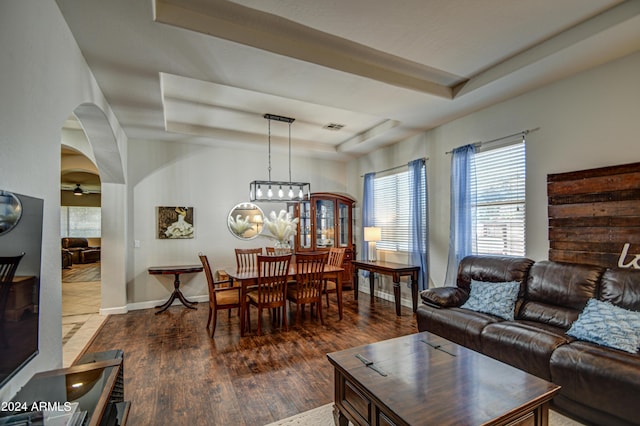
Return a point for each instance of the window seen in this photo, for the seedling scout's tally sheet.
(392, 209)
(80, 222)
(500, 200)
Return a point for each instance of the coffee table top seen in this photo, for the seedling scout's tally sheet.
(431, 378)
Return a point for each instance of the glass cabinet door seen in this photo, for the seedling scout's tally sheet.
(343, 224)
(325, 222)
(304, 237)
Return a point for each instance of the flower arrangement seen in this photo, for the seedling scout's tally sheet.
(238, 225)
(282, 227)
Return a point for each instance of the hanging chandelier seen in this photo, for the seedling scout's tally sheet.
(279, 191)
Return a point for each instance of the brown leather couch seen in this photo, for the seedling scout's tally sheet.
(600, 385)
(80, 250)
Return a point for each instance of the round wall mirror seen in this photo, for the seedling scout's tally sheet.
(246, 221)
(10, 211)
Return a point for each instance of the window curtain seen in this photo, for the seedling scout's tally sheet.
(419, 220)
(463, 198)
(367, 213)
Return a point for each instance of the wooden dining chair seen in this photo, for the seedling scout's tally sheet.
(271, 290)
(336, 257)
(271, 251)
(8, 267)
(222, 295)
(247, 258)
(309, 283)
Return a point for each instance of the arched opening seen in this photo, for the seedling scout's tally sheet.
(90, 161)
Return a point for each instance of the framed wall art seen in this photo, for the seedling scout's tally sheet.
(175, 223)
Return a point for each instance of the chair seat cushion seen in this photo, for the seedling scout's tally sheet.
(228, 297)
(253, 296)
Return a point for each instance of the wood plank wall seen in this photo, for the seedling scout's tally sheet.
(594, 216)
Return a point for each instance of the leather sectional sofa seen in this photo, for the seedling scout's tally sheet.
(80, 251)
(600, 385)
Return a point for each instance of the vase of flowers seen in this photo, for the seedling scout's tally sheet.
(281, 227)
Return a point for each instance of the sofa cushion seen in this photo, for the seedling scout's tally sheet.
(608, 325)
(621, 287)
(598, 377)
(492, 269)
(556, 292)
(497, 299)
(523, 344)
(460, 326)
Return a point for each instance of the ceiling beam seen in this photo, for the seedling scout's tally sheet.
(250, 27)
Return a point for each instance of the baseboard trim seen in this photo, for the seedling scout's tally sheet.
(386, 296)
(114, 311)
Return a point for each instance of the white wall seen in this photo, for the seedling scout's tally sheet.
(212, 181)
(44, 78)
(589, 120)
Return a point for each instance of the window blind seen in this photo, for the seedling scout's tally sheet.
(392, 209)
(80, 221)
(500, 210)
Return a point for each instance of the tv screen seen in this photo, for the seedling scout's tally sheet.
(20, 232)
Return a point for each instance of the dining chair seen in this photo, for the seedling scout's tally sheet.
(270, 251)
(309, 283)
(222, 295)
(247, 258)
(336, 257)
(8, 267)
(271, 290)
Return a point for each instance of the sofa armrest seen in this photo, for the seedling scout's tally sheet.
(444, 297)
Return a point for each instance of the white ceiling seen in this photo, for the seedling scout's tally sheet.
(207, 71)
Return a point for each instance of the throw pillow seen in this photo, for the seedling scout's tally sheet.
(608, 325)
(498, 299)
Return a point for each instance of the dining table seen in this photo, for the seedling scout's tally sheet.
(249, 277)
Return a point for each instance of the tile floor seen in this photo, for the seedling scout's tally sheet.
(80, 317)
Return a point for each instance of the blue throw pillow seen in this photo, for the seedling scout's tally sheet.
(498, 299)
(608, 325)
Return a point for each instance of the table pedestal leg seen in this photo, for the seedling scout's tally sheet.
(176, 294)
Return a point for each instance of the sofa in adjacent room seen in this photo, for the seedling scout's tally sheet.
(80, 250)
(572, 324)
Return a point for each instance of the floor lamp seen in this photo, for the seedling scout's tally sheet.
(371, 235)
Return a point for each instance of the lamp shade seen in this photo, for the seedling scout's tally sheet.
(372, 233)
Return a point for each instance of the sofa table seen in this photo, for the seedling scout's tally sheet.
(395, 270)
(176, 271)
(424, 379)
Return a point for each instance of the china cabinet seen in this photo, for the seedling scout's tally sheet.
(325, 221)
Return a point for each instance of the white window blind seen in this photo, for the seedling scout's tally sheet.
(80, 222)
(500, 209)
(392, 209)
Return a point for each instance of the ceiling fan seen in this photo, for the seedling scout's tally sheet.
(78, 190)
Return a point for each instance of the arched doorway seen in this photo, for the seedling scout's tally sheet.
(94, 162)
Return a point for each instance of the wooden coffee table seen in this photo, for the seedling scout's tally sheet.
(425, 379)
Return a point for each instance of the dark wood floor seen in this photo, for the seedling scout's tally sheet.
(176, 375)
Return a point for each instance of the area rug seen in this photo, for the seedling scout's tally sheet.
(323, 416)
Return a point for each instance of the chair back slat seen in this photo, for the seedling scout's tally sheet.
(272, 279)
(310, 276)
(336, 256)
(209, 275)
(247, 258)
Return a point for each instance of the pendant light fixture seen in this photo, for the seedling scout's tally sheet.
(279, 191)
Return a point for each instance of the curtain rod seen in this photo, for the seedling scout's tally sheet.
(424, 159)
(523, 133)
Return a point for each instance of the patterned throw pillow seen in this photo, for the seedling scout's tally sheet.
(498, 299)
(608, 325)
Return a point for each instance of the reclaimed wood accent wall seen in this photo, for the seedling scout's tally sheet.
(594, 216)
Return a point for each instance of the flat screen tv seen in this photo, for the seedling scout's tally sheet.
(20, 232)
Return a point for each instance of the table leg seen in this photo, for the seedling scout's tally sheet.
(339, 293)
(372, 279)
(339, 419)
(414, 291)
(356, 283)
(243, 308)
(176, 294)
(396, 295)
